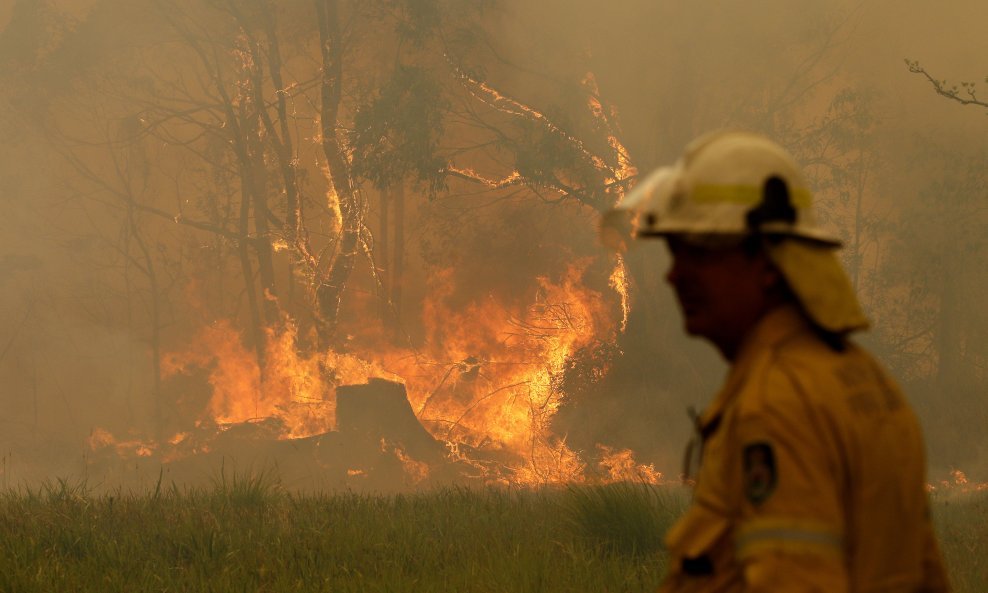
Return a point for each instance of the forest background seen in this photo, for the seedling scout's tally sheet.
(197, 192)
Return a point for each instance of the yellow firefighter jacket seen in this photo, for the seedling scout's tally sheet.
(812, 477)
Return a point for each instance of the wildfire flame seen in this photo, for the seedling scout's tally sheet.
(625, 169)
(619, 282)
(102, 439)
(292, 388)
(487, 376)
(500, 385)
(620, 466)
(958, 484)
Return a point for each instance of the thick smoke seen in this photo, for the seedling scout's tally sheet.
(899, 172)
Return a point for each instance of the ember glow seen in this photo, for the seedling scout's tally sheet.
(102, 439)
(957, 484)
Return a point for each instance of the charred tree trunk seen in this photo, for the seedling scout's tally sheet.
(398, 260)
(390, 257)
(132, 170)
(384, 267)
(155, 303)
(237, 119)
(329, 293)
(256, 333)
(262, 238)
(280, 137)
(255, 122)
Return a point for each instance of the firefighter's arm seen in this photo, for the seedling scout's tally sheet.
(790, 530)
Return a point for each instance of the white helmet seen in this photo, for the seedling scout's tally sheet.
(736, 184)
(726, 183)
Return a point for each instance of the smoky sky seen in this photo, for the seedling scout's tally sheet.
(670, 71)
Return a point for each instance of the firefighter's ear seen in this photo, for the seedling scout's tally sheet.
(770, 277)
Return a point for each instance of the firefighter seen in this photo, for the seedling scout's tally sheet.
(811, 464)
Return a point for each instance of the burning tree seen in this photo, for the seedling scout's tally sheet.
(231, 156)
(238, 148)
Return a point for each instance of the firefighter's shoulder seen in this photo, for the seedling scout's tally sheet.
(799, 371)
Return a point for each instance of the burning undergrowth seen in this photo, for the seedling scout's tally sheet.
(473, 400)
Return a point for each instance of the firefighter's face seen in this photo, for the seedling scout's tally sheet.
(722, 291)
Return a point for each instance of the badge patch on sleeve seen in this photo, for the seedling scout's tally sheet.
(759, 472)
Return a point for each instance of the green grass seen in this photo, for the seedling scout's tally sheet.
(962, 522)
(624, 518)
(246, 533)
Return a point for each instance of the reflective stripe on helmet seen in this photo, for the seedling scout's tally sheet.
(744, 195)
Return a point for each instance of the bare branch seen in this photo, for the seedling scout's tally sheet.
(965, 95)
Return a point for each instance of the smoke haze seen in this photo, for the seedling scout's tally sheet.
(482, 287)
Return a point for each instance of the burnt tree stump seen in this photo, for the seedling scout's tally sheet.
(380, 411)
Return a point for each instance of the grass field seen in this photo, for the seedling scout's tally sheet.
(247, 534)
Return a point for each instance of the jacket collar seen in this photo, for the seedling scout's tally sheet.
(772, 329)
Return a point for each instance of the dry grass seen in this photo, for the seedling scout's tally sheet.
(246, 533)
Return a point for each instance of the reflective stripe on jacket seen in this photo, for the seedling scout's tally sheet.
(812, 477)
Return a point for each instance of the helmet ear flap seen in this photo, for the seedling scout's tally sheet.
(776, 205)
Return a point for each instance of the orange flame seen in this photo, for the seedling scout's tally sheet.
(622, 172)
(499, 385)
(620, 466)
(293, 388)
(487, 376)
(619, 282)
(101, 439)
(625, 169)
